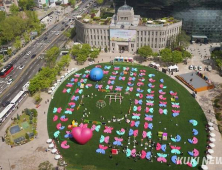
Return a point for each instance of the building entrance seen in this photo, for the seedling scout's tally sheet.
(123, 48)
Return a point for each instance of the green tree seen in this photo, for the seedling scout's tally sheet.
(26, 4)
(35, 113)
(18, 117)
(51, 56)
(99, 1)
(145, 51)
(81, 58)
(26, 37)
(177, 57)
(186, 54)
(27, 136)
(183, 39)
(37, 97)
(45, 166)
(72, 2)
(166, 55)
(9, 52)
(42, 80)
(2, 16)
(94, 55)
(17, 43)
(14, 9)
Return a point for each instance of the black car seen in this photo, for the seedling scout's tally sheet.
(45, 38)
(6, 103)
(62, 29)
(63, 22)
(33, 56)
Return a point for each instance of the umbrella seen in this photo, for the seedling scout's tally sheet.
(49, 141)
(210, 150)
(209, 157)
(212, 134)
(212, 145)
(210, 124)
(57, 157)
(212, 139)
(54, 150)
(211, 128)
(51, 145)
(204, 167)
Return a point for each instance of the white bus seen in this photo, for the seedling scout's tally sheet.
(18, 98)
(6, 112)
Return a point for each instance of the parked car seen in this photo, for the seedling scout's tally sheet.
(200, 68)
(191, 67)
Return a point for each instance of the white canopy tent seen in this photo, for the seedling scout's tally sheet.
(57, 157)
(49, 141)
(172, 68)
(51, 146)
(54, 151)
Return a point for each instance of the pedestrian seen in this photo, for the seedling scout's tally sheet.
(117, 164)
(44, 112)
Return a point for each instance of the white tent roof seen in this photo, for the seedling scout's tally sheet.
(117, 57)
(173, 67)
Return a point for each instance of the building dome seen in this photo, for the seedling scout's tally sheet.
(125, 8)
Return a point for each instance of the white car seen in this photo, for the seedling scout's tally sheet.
(9, 81)
(191, 67)
(195, 67)
(21, 67)
(57, 33)
(28, 53)
(200, 68)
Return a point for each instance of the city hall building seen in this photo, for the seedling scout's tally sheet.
(126, 31)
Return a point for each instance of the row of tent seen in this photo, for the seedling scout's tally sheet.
(124, 59)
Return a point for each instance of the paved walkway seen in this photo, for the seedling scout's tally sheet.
(28, 156)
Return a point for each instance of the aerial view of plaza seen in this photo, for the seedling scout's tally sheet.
(110, 84)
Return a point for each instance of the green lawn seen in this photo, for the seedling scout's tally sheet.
(80, 155)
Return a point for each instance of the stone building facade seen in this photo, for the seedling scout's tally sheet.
(126, 33)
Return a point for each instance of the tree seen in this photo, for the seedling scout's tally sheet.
(81, 58)
(183, 39)
(9, 52)
(186, 54)
(26, 4)
(99, 1)
(45, 166)
(14, 9)
(51, 56)
(37, 98)
(177, 57)
(145, 51)
(17, 43)
(72, 2)
(27, 136)
(94, 55)
(166, 55)
(35, 113)
(2, 16)
(26, 37)
(18, 117)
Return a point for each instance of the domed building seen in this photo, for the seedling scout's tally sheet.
(126, 31)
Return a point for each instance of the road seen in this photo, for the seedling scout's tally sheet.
(44, 42)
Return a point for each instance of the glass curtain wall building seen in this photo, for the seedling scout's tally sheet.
(202, 22)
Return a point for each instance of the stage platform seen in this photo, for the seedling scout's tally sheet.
(195, 81)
